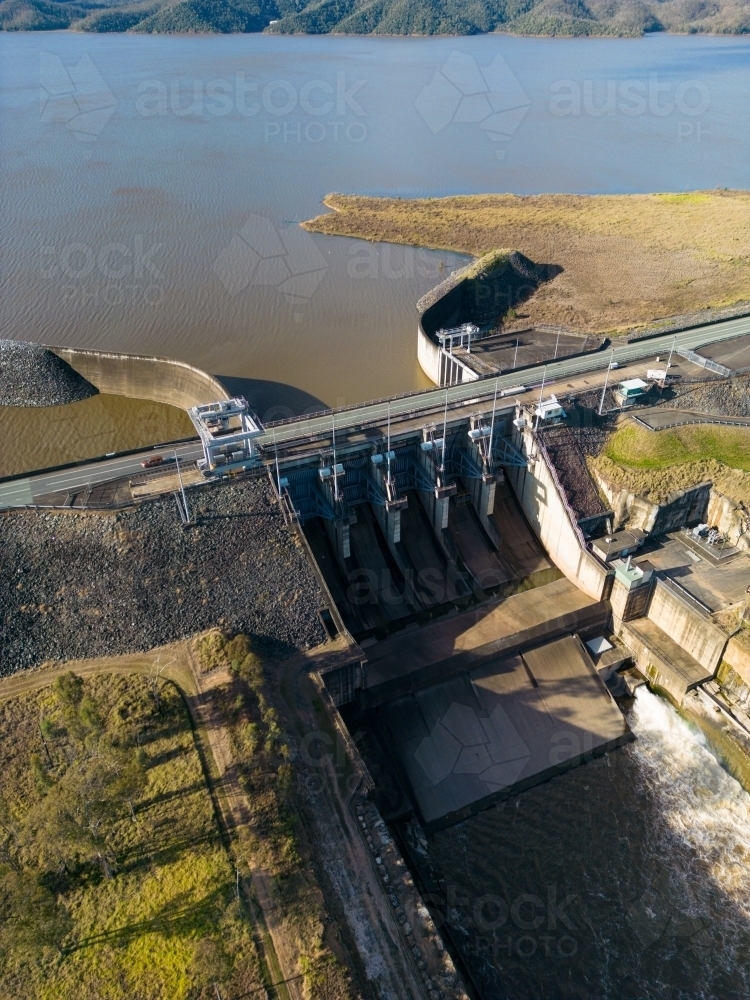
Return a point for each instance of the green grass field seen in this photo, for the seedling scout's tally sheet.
(655, 464)
(114, 881)
(638, 448)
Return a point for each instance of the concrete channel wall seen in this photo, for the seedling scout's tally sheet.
(142, 377)
(544, 507)
(737, 657)
(692, 631)
(444, 312)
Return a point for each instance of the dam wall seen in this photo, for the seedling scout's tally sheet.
(555, 525)
(692, 631)
(141, 377)
(676, 645)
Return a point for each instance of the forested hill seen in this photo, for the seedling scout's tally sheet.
(393, 17)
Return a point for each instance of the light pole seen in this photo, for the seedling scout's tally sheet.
(492, 426)
(606, 382)
(276, 454)
(541, 393)
(335, 477)
(182, 488)
(671, 350)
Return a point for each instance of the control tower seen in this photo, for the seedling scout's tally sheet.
(227, 430)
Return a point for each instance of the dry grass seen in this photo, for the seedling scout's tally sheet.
(627, 260)
(42, 436)
(134, 934)
(657, 484)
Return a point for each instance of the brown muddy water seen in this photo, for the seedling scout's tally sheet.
(152, 185)
(39, 437)
(627, 878)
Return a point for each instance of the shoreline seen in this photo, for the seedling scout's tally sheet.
(596, 248)
(264, 32)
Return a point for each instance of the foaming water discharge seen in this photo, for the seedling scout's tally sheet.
(628, 877)
(701, 805)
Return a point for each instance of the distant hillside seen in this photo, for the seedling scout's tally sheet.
(392, 17)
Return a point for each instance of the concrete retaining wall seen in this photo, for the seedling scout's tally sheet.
(693, 632)
(141, 377)
(654, 665)
(428, 355)
(680, 508)
(738, 658)
(543, 506)
(731, 518)
(445, 312)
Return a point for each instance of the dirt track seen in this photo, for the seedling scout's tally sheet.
(353, 894)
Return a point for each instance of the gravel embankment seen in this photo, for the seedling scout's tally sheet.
(80, 585)
(726, 397)
(30, 375)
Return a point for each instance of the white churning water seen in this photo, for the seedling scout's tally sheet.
(701, 804)
(650, 849)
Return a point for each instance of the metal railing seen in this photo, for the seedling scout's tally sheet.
(703, 418)
(698, 359)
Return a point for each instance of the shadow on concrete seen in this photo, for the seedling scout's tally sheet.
(272, 400)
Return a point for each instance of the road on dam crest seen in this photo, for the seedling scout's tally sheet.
(20, 490)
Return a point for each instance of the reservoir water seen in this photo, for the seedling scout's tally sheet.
(151, 189)
(151, 185)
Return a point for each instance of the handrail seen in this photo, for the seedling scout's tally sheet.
(699, 359)
(707, 419)
(683, 594)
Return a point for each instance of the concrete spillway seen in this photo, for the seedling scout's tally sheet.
(488, 733)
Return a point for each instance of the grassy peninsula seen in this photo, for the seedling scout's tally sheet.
(627, 260)
(388, 17)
